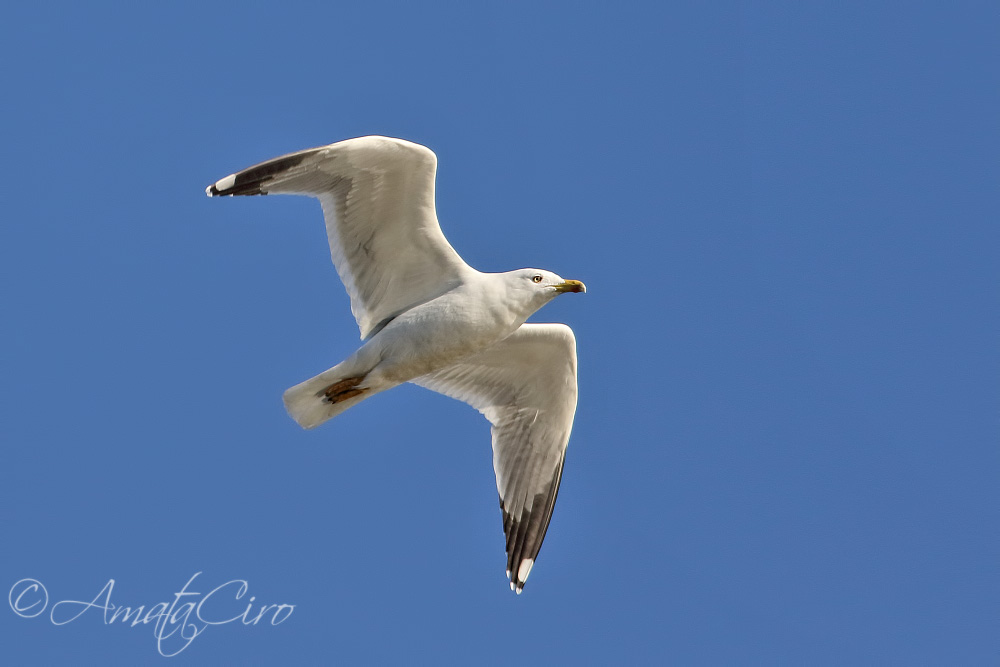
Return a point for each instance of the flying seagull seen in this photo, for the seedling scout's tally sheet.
(429, 318)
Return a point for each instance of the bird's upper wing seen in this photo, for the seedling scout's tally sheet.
(525, 385)
(378, 200)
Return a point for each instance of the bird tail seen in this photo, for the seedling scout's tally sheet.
(326, 395)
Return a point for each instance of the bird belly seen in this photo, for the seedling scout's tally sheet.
(431, 336)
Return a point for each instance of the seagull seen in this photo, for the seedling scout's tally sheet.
(429, 318)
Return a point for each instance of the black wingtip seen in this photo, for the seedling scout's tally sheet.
(252, 181)
(526, 534)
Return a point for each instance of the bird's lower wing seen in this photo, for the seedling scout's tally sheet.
(526, 387)
(378, 200)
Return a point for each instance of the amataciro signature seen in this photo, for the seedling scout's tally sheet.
(176, 623)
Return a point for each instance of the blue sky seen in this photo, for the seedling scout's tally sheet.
(786, 444)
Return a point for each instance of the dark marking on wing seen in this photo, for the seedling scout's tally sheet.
(525, 535)
(252, 181)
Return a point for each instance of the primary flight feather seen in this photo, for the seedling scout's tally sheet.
(429, 318)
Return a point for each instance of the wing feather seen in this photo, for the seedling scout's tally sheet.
(377, 195)
(526, 387)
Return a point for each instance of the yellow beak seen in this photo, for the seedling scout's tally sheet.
(570, 286)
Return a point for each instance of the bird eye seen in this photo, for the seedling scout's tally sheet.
(536, 279)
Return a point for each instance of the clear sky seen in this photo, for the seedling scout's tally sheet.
(786, 449)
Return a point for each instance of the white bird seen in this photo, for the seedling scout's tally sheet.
(429, 318)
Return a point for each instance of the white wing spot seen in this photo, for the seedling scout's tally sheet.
(525, 569)
(226, 183)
